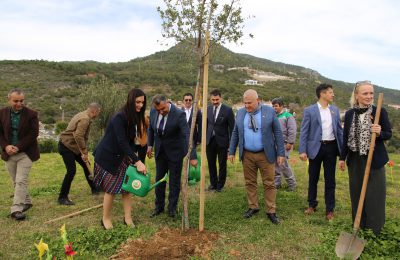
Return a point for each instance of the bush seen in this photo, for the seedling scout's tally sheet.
(61, 126)
(48, 146)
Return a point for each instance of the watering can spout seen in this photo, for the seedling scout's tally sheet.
(165, 178)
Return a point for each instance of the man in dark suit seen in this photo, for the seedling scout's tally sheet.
(168, 133)
(19, 129)
(220, 123)
(321, 138)
(188, 109)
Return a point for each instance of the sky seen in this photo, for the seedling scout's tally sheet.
(341, 39)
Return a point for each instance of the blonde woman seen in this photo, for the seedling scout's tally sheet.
(358, 128)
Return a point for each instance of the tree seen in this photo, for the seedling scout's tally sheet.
(201, 23)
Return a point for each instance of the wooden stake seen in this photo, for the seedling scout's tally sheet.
(73, 214)
(204, 131)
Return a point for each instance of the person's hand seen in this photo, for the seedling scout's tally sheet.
(342, 165)
(231, 158)
(140, 167)
(288, 147)
(280, 160)
(303, 156)
(193, 162)
(375, 128)
(11, 149)
(85, 157)
(150, 152)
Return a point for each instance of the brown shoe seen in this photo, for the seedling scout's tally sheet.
(310, 210)
(329, 216)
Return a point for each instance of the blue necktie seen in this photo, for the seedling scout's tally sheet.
(161, 127)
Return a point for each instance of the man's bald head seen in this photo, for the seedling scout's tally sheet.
(250, 100)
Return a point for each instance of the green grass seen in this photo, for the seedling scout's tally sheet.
(298, 236)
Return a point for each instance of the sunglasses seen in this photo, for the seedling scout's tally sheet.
(363, 82)
(188, 100)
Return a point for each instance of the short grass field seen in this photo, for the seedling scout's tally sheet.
(297, 237)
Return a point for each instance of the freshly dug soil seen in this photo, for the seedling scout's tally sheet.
(168, 244)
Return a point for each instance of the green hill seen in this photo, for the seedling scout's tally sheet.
(50, 85)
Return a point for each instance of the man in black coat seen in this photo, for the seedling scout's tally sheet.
(220, 123)
(168, 133)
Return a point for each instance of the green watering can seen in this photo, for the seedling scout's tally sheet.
(194, 173)
(139, 184)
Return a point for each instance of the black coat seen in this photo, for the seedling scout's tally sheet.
(380, 156)
(222, 127)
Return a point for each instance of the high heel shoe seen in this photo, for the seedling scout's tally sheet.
(102, 224)
(129, 225)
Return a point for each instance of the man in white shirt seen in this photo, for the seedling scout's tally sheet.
(321, 136)
(188, 109)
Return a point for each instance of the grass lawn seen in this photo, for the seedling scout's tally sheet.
(297, 237)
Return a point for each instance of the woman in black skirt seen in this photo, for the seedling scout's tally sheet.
(358, 128)
(116, 151)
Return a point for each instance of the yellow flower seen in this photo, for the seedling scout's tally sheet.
(64, 234)
(62, 229)
(42, 248)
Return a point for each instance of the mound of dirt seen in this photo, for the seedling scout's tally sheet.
(168, 244)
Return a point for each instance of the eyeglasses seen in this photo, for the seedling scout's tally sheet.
(363, 82)
(188, 100)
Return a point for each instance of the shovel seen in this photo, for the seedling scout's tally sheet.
(350, 246)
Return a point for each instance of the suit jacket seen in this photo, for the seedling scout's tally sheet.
(197, 127)
(380, 156)
(311, 130)
(28, 132)
(175, 139)
(115, 144)
(223, 125)
(272, 137)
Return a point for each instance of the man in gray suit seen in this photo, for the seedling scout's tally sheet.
(321, 137)
(169, 133)
(258, 133)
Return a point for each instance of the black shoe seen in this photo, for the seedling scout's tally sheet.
(250, 212)
(218, 190)
(18, 215)
(65, 201)
(156, 212)
(211, 188)
(273, 217)
(26, 207)
(172, 213)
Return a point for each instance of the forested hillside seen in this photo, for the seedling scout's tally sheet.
(53, 87)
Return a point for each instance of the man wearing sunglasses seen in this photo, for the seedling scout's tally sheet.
(188, 109)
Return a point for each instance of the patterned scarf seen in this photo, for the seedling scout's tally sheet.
(360, 131)
(252, 119)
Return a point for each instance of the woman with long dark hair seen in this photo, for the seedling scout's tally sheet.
(116, 151)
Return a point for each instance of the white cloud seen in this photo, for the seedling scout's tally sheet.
(343, 40)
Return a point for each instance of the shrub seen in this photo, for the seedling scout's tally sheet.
(48, 146)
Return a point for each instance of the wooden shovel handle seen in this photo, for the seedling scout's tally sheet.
(368, 166)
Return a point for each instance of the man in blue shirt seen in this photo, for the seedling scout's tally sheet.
(258, 134)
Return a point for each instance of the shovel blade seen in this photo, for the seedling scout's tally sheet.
(349, 246)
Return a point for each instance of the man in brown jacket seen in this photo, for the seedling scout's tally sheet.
(19, 129)
(73, 147)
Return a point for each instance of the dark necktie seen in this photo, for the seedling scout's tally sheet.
(161, 127)
(215, 114)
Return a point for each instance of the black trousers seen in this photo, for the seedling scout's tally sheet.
(327, 156)
(70, 158)
(163, 165)
(213, 152)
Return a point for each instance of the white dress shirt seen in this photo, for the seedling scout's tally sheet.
(326, 120)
